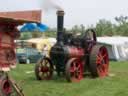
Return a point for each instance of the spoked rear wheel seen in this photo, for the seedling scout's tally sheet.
(99, 61)
(74, 70)
(44, 69)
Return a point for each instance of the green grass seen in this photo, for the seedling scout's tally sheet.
(110, 86)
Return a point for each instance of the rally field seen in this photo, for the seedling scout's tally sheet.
(115, 85)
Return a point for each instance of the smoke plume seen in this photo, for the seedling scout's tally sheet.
(51, 5)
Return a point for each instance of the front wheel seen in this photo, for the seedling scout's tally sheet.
(44, 69)
(74, 70)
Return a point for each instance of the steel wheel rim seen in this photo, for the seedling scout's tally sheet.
(45, 69)
(76, 71)
(6, 87)
(102, 62)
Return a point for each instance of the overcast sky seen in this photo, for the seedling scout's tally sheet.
(85, 12)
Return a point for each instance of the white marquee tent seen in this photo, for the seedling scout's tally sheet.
(117, 47)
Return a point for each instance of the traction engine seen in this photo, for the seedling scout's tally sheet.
(73, 56)
(8, 33)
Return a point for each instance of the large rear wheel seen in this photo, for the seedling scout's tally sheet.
(44, 69)
(99, 61)
(74, 70)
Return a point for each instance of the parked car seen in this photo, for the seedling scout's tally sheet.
(27, 55)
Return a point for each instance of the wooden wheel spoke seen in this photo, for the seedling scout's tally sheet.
(74, 65)
(104, 55)
(42, 63)
(72, 69)
(77, 71)
(104, 66)
(100, 68)
(99, 57)
(98, 62)
(39, 69)
(46, 62)
(41, 74)
(48, 65)
(78, 67)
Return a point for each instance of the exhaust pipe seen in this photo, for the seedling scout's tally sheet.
(60, 26)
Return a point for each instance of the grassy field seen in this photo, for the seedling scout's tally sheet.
(116, 85)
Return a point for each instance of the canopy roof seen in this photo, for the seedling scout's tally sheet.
(20, 17)
(116, 40)
(7, 20)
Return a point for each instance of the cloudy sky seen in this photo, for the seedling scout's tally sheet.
(85, 12)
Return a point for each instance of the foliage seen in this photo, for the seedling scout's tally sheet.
(25, 35)
(51, 32)
(78, 29)
(36, 34)
(106, 28)
(103, 28)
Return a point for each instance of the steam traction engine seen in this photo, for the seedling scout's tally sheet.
(73, 56)
(8, 33)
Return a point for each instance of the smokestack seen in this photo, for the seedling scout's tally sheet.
(60, 23)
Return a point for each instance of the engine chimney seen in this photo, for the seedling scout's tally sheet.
(60, 23)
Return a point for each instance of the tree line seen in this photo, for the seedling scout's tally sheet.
(103, 28)
(106, 28)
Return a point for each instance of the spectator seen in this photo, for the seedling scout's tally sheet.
(45, 50)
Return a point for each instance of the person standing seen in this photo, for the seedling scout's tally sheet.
(45, 50)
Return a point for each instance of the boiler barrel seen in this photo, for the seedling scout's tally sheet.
(75, 52)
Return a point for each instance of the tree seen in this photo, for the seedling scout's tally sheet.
(121, 19)
(104, 27)
(75, 29)
(122, 27)
(36, 34)
(25, 35)
(82, 28)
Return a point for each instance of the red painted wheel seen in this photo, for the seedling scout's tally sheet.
(99, 61)
(7, 87)
(44, 69)
(74, 70)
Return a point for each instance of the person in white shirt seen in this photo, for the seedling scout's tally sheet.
(45, 50)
